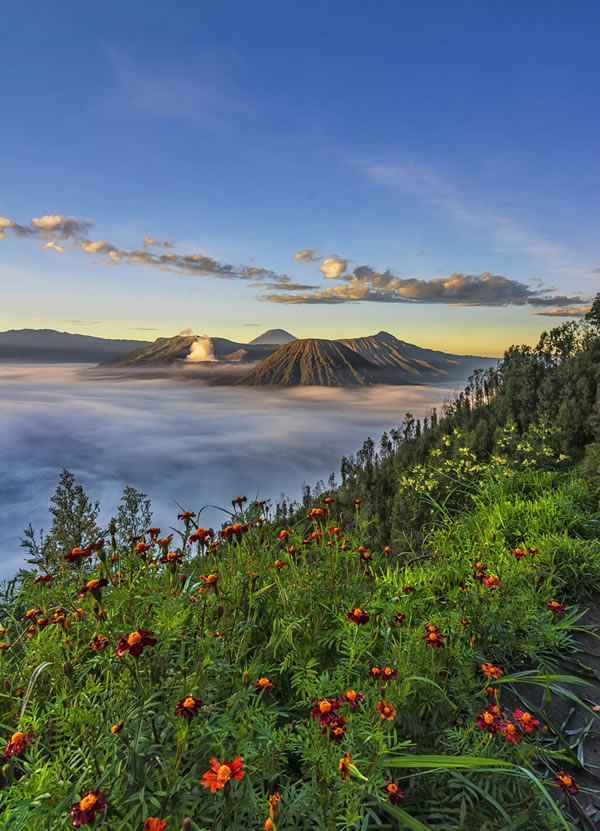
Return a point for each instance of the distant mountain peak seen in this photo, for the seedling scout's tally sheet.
(273, 337)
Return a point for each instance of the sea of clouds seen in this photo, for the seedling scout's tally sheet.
(179, 440)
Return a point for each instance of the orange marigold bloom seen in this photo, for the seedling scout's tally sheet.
(188, 707)
(566, 783)
(135, 642)
(393, 791)
(186, 516)
(32, 613)
(4, 646)
(78, 554)
(344, 766)
(358, 615)
(357, 501)
(201, 535)
(43, 578)
(116, 728)
(210, 582)
(283, 535)
(491, 671)
(352, 698)
(268, 825)
(221, 772)
(490, 581)
(92, 586)
(278, 564)
(239, 500)
(555, 607)
(154, 824)
(84, 811)
(17, 744)
(385, 710)
(264, 685)
(274, 809)
(98, 642)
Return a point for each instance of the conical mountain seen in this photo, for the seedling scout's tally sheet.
(311, 362)
(273, 336)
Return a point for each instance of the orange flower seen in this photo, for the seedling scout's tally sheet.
(239, 500)
(221, 772)
(283, 535)
(566, 783)
(43, 578)
(210, 582)
(116, 728)
(264, 685)
(491, 671)
(385, 710)
(154, 824)
(344, 766)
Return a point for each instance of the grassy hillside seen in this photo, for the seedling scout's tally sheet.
(307, 674)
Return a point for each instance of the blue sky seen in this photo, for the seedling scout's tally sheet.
(449, 148)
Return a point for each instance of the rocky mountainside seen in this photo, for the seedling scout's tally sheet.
(311, 362)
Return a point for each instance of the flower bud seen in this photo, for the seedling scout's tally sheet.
(8, 771)
(219, 611)
(67, 669)
(7, 684)
(187, 824)
(245, 677)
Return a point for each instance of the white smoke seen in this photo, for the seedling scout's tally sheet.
(201, 351)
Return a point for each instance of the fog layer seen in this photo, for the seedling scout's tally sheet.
(180, 442)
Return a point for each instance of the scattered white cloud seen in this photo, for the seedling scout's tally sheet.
(52, 244)
(151, 242)
(307, 255)
(565, 311)
(333, 267)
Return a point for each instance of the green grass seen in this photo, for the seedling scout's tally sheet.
(289, 624)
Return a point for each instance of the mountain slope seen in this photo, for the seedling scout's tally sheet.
(417, 364)
(166, 351)
(273, 336)
(311, 362)
(48, 345)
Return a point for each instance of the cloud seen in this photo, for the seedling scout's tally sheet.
(307, 255)
(83, 322)
(366, 284)
(150, 242)
(333, 267)
(52, 244)
(185, 332)
(565, 311)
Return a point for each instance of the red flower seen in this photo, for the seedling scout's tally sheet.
(388, 674)
(235, 530)
(173, 558)
(387, 550)
(154, 824)
(186, 516)
(135, 642)
(393, 791)
(188, 707)
(386, 711)
(324, 710)
(221, 772)
(555, 607)
(210, 582)
(154, 532)
(433, 636)
(336, 729)
(490, 581)
(479, 570)
(491, 719)
(283, 535)
(278, 564)
(375, 673)
(239, 500)
(43, 578)
(566, 783)
(92, 586)
(78, 554)
(526, 721)
(358, 615)
(163, 542)
(141, 548)
(98, 642)
(357, 501)
(264, 685)
(399, 618)
(317, 513)
(352, 698)
(17, 744)
(518, 552)
(511, 732)
(201, 535)
(84, 812)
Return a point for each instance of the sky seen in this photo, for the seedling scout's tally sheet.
(329, 168)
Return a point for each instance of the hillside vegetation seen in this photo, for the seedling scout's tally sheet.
(387, 657)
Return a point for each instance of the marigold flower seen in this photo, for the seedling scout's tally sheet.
(278, 564)
(31, 614)
(4, 630)
(154, 532)
(352, 698)
(4, 646)
(154, 824)
(357, 501)
(264, 685)
(325, 710)
(141, 548)
(314, 535)
(344, 766)
(358, 615)
(407, 589)
(186, 516)
(201, 535)
(239, 500)
(399, 618)
(491, 671)
(336, 729)
(98, 642)
(433, 636)
(173, 558)
(518, 553)
(388, 674)
(393, 791)
(274, 806)
(490, 719)
(188, 707)
(526, 721)
(317, 513)
(283, 534)
(221, 772)
(43, 578)
(511, 732)
(490, 581)
(135, 642)
(92, 586)
(555, 607)
(210, 582)
(375, 673)
(268, 825)
(385, 710)
(236, 530)
(17, 744)
(116, 728)
(566, 783)
(334, 529)
(84, 812)
(78, 554)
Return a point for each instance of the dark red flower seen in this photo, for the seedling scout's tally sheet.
(393, 791)
(154, 532)
(336, 729)
(239, 500)
(399, 618)
(490, 719)
(264, 685)
(490, 581)
(317, 513)
(325, 710)
(135, 642)
(433, 636)
(526, 721)
(43, 578)
(173, 558)
(186, 516)
(555, 607)
(388, 674)
(386, 710)
(375, 673)
(98, 642)
(78, 554)
(352, 698)
(201, 535)
(188, 707)
(511, 732)
(221, 772)
(17, 744)
(84, 812)
(357, 615)
(566, 783)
